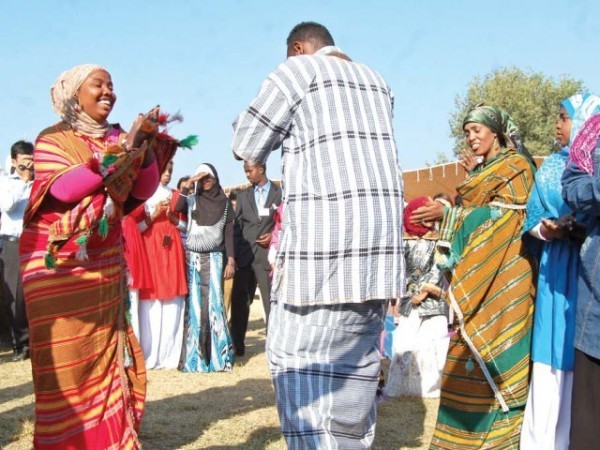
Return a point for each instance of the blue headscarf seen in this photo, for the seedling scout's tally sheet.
(545, 201)
(580, 108)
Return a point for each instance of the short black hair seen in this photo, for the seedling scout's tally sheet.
(21, 148)
(181, 180)
(310, 32)
(258, 164)
(233, 195)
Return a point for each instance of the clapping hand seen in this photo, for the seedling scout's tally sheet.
(144, 127)
(432, 211)
(468, 160)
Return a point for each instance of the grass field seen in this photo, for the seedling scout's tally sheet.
(212, 411)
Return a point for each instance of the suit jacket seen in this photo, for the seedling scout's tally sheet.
(249, 226)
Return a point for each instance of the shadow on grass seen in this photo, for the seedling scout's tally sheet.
(197, 412)
(12, 420)
(400, 424)
(258, 439)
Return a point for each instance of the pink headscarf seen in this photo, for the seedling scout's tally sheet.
(414, 229)
(582, 149)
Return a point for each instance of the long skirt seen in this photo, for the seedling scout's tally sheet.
(88, 369)
(325, 364)
(420, 347)
(207, 341)
(547, 418)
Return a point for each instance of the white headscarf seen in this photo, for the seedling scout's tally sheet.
(206, 169)
(65, 104)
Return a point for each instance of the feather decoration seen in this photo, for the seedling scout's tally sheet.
(94, 165)
(82, 241)
(165, 118)
(108, 160)
(189, 141)
(49, 261)
(103, 227)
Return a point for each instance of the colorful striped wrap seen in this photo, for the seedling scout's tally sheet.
(88, 369)
(485, 380)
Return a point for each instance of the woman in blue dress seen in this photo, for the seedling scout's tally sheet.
(548, 412)
(207, 345)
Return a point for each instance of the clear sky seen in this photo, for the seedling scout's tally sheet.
(208, 59)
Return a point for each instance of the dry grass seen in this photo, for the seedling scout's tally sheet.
(212, 411)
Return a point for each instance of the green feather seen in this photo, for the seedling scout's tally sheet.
(103, 227)
(49, 261)
(108, 160)
(189, 141)
(82, 240)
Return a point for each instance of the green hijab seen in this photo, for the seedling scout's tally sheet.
(499, 122)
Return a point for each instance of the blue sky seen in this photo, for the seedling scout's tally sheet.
(208, 58)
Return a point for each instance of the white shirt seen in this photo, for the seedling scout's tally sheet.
(14, 195)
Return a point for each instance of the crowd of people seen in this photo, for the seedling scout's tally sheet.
(108, 272)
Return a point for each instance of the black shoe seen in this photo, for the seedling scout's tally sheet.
(241, 352)
(20, 355)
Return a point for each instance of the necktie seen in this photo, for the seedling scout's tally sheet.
(261, 199)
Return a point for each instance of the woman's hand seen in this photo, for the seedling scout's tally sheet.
(144, 127)
(159, 209)
(417, 299)
(432, 211)
(432, 290)
(468, 160)
(189, 183)
(551, 230)
(230, 268)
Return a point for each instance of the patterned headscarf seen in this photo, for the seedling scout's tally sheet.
(65, 104)
(580, 108)
(499, 122)
(585, 144)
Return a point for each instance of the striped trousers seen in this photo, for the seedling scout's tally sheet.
(325, 362)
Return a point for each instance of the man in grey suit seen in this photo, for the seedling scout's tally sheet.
(255, 209)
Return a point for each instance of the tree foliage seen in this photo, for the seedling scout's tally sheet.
(531, 99)
(440, 158)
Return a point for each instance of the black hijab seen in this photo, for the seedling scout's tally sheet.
(210, 205)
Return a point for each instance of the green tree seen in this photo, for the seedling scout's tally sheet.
(531, 99)
(440, 158)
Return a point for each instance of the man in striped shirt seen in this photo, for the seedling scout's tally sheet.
(340, 255)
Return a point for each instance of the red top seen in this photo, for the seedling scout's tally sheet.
(166, 256)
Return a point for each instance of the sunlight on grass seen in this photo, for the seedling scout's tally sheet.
(218, 411)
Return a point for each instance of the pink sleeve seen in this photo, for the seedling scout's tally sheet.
(76, 184)
(146, 183)
(277, 229)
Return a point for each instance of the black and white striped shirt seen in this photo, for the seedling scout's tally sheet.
(341, 238)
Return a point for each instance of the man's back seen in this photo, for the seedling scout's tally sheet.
(341, 237)
(340, 249)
